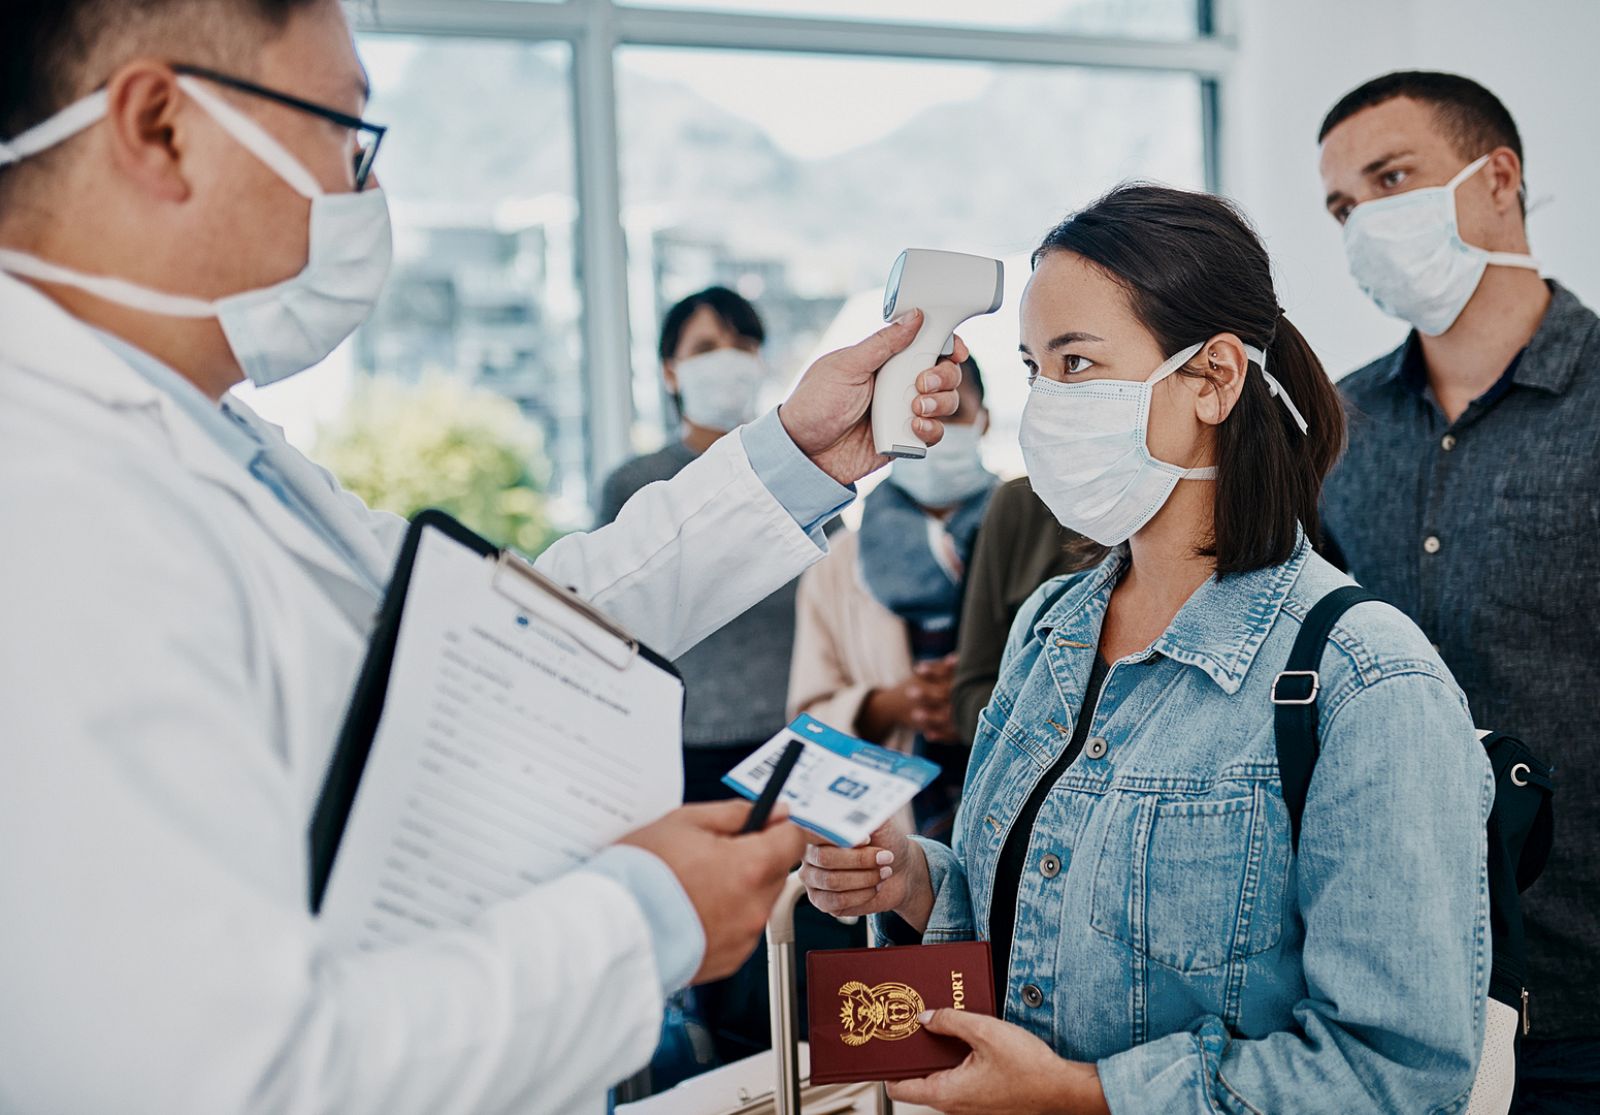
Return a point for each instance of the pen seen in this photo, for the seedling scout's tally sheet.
(762, 809)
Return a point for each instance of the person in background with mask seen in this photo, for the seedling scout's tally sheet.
(1158, 945)
(734, 680)
(875, 643)
(1019, 548)
(1470, 495)
(187, 199)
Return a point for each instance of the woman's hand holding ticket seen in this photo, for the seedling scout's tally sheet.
(887, 875)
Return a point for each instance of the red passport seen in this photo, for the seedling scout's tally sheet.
(864, 1005)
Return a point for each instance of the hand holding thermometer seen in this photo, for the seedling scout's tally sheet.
(949, 288)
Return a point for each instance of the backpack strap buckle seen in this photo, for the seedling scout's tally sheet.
(1309, 680)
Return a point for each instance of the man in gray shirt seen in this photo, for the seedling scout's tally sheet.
(1470, 494)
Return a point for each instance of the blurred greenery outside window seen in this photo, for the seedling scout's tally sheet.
(438, 442)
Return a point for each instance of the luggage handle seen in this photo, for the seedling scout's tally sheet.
(783, 1000)
(781, 958)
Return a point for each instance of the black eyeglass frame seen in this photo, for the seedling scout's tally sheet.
(366, 154)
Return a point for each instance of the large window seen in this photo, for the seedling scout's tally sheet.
(1154, 18)
(797, 180)
(562, 171)
(479, 169)
(485, 287)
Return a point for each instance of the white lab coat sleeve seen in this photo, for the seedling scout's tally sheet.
(684, 556)
(157, 955)
(689, 554)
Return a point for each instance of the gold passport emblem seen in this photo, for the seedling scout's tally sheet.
(888, 1012)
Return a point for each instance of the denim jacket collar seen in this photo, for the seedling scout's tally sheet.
(1218, 630)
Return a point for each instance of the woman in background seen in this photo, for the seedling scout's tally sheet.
(736, 679)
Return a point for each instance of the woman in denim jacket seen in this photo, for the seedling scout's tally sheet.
(1123, 842)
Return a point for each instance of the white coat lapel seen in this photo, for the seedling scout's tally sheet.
(354, 525)
(201, 455)
(55, 344)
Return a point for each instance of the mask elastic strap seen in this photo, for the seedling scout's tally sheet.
(1178, 360)
(1276, 388)
(1467, 172)
(1499, 259)
(1168, 366)
(1173, 363)
(1514, 259)
(61, 127)
(254, 138)
(119, 291)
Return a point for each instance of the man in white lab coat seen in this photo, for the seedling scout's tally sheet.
(184, 602)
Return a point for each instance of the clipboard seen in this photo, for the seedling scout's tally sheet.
(508, 574)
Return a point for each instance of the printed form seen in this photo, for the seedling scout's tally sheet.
(518, 739)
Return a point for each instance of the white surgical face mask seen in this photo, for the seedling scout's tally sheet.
(721, 390)
(951, 473)
(1406, 252)
(276, 331)
(1086, 448)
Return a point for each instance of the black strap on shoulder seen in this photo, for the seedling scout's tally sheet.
(1294, 697)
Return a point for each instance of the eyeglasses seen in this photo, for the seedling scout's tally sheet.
(372, 134)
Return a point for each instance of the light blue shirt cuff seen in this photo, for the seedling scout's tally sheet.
(680, 942)
(805, 491)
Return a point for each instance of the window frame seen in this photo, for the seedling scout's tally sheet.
(595, 29)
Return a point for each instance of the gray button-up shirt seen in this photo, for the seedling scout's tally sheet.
(1487, 532)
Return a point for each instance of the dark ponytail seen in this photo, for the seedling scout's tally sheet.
(1193, 268)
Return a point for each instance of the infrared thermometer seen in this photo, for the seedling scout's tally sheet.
(949, 288)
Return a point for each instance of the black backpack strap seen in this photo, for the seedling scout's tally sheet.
(1294, 696)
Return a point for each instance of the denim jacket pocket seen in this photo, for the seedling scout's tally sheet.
(1180, 879)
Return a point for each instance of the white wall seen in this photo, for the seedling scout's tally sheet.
(1299, 56)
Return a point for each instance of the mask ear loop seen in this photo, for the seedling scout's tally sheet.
(1501, 259)
(1467, 172)
(76, 117)
(1167, 368)
(254, 138)
(1276, 389)
(1173, 363)
(111, 289)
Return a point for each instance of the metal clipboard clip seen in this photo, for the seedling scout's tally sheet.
(512, 571)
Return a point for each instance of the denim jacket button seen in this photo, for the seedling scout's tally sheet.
(1431, 544)
(1050, 865)
(1032, 996)
(1448, 442)
(1096, 748)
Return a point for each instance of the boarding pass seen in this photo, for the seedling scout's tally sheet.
(842, 788)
